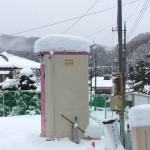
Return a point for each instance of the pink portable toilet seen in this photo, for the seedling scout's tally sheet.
(64, 84)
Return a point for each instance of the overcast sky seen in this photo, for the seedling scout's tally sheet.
(20, 15)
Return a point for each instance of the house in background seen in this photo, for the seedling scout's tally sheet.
(104, 85)
(10, 65)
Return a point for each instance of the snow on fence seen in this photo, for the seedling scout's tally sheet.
(19, 103)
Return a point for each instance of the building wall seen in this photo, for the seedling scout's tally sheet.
(66, 82)
(105, 90)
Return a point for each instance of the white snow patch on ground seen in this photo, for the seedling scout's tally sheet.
(23, 133)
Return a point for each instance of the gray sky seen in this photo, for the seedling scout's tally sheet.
(20, 15)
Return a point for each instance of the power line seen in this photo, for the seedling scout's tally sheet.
(80, 17)
(129, 8)
(67, 20)
(97, 32)
(127, 11)
(107, 36)
(135, 13)
(100, 31)
(139, 18)
(135, 8)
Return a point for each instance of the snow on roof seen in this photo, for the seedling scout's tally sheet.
(138, 115)
(100, 82)
(18, 62)
(58, 42)
(4, 72)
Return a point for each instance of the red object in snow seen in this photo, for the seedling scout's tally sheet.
(93, 144)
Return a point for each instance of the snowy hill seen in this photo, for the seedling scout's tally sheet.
(16, 43)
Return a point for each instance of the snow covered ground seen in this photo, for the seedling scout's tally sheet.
(23, 133)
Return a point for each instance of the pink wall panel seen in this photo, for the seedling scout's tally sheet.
(43, 118)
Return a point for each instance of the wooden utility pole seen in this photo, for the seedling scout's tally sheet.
(121, 67)
(125, 50)
(119, 20)
(95, 55)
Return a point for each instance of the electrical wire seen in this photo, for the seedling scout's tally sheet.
(127, 11)
(100, 31)
(135, 14)
(107, 38)
(108, 27)
(139, 18)
(127, 18)
(136, 7)
(80, 17)
(67, 20)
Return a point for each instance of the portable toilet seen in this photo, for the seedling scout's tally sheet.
(64, 84)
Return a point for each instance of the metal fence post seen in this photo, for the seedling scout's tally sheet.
(128, 138)
(3, 104)
(133, 100)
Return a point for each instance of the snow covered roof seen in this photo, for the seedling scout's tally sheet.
(100, 82)
(17, 62)
(58, 42)
(4, 72)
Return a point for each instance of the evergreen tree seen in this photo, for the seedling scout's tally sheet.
(140, 73)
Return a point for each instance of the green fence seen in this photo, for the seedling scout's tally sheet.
(97, 100)
(23, 102)
(103, 100)
(19, 102)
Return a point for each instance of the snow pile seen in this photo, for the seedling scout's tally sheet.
(138, 115)
(93, 130)
(9, 84)
(120, 147)
(147, 89)
(23, 81)
(26, 72)
(56, 42)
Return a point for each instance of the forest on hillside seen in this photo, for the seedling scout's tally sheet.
(102, 60)
(137, 49)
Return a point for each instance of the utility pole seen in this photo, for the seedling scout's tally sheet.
(125, 50)
(121, 70)
(91, 75)
(119, 20)
(95, 70)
